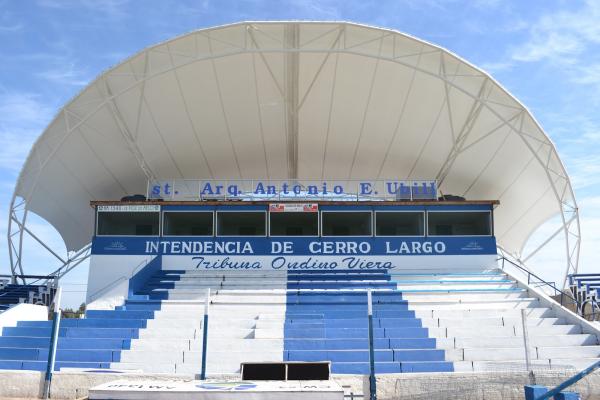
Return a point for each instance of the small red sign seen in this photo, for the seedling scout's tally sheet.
(293, 207)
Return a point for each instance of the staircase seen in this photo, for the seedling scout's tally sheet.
(240, 303)
(423, 322)
(476, 319)
(326, 319)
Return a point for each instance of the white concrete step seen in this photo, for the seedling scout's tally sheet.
(242, 285)
(463, 296)
(485, 313)
(448, 277)
(188, 295)
(495, 331)
(566, 329)
(150, 357)
(458, 304)
(161, 344)
(271, 317)
(215, 358)
(408, 286)
(500, 366)
(234, 333)
(249, 300)
(257, 292)
(475, 323)
(151, 368)
(176, 333)
(270, 324)
(234, 344)
(268, 333)
(160, 323)
(519, 365)
(539, 353)
(245, 310)
(572, 363)
(516, 341)
(568, 352)
(233, 323)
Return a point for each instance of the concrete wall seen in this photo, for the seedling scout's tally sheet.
(434, 386)
(470, 386)
(108, 280)
(22, 312)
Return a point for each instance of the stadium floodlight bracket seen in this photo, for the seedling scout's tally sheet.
(16, 234)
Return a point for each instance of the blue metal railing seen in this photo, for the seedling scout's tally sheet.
(541, 282)
(585, 288)
(569, 382)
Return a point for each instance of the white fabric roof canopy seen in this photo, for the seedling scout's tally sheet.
(307, 100)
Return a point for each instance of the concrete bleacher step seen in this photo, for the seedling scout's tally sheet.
(410, 286)
(539, 353)
(539, 312)
(502, 331)
(464, 295)
(517, 341)
(473, 304)
(491, 321)
(476, 276)
(423, 323)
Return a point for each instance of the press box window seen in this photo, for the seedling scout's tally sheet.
(294, 223)
(128, 223)
(241, 223)
(188, 223)
(459, 223)
(399, 223)
(346, 223)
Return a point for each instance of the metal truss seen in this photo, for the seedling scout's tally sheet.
(16, 234)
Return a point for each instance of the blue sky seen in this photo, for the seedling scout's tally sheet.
(545, 52)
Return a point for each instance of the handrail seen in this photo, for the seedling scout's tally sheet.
(540, 280)
(569, 382)
(119, 280)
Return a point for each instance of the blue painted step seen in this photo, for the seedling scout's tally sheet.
(64, 343)
(87, 323)
(124, 333)
(330, 323)
(61, 355)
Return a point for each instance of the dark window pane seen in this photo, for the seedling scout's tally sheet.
(294, 224)
(241, 223)
(188, 223)
(128, 223)
(346, 223)
(459, 223)
(400, 223)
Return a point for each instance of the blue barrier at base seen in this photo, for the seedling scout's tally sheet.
(567, 396)
(532, 392)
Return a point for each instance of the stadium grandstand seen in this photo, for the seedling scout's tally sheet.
(265, 195)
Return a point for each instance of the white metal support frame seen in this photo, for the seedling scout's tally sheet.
(291, 47)
(16, 235)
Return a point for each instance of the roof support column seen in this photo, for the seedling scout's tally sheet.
(291, 97)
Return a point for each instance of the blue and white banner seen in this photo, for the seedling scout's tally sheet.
(301, 253)
(295, 246)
